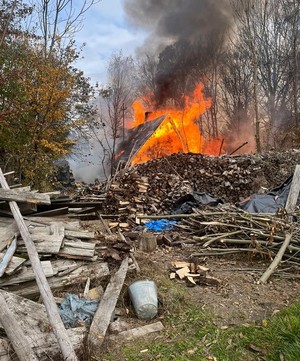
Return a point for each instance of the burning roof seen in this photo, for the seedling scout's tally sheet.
(168, 130)
(138, 136)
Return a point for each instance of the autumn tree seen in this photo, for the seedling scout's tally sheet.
(42, 99)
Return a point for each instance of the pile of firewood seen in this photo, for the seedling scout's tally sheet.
(154, 187)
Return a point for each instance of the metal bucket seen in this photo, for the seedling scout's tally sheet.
(143, 295)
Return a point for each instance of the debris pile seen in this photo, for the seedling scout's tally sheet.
(153, 187)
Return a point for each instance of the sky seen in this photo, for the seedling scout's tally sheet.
(104, 31)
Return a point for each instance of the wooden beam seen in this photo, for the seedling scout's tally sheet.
(33, 322)
(294, 191)
(24, 197)
(7, 233)
(8, 256)
(47, 296)
(137, 332)
(15, 334)
(102, 317)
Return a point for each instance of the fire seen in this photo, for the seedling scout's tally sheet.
(178, 132)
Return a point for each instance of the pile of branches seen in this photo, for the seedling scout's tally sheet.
(229, 230)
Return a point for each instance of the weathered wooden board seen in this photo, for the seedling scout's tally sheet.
(7, 256)
(47, 243)
(80, 234)
(21, 343)
(14, 264)
(75, 276)
(34, 323)
(7, 233)
(47, 221)
(5, 350)
(294, 191)
(26, 274)
(79, 252)
(138, 332)
(25, 196)
(106, 307)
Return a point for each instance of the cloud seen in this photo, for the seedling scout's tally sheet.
(104, 31)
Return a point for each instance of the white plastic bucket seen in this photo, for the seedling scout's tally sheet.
(143, 295)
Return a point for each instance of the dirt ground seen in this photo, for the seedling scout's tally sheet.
(238, 299)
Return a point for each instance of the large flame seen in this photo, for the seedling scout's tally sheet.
(178, 132)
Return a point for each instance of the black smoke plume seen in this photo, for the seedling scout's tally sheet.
(185, 35)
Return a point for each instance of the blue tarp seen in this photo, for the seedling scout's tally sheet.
(160, 225)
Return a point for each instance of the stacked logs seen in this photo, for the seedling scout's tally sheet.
(153, 187)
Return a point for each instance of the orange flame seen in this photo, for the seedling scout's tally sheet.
(178, 132)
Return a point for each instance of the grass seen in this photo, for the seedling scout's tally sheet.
(191, 335)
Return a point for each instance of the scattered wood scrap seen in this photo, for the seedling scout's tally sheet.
(194, 274)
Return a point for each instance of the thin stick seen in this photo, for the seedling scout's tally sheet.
(277, 259)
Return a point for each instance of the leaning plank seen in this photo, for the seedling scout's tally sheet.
(7, 233)
(47, 296)
(106, 307)
(24, 197)
(15, 334)
(276, 260)
(72, 276)
(5, 260)
(294, 191)
(138, 332)
(14, 264)
(32, 319)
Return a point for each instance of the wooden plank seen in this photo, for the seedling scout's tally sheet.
(106, 307)
(48, 299)
(75, 275)
(80, 234)
(52, 212)
(79, 244)
(7, 256)
(7, 234)
(5, 350)
(14, 332)
(26, 274)
(14, 264)
(138, 332)
(80, 252)
(47, 243)
(294, 191)
(24, 197)
(47, 221)
(33, 321)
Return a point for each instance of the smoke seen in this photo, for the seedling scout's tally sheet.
(173, 20)
(185, 35)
